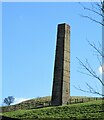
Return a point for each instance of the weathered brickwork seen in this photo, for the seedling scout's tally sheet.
(61, 78)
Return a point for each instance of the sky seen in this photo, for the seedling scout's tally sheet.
(28, 47)
(49, 0)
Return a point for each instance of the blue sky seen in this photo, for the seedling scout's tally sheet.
(0, 51)
(28, 47)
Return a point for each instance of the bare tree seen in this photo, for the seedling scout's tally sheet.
(98, 9)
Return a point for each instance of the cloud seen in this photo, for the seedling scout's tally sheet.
(100, 69)
(19, 100)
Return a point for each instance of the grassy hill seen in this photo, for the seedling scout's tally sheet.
(88, 110)
(43, 101)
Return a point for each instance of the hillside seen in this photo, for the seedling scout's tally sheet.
(44, 102)
(87, 110)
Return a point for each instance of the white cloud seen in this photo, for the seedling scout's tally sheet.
(100, 69)
(19, 100)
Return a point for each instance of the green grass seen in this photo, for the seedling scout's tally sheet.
(88, 110)
(29, 104)
(1, 114)
(32, 103)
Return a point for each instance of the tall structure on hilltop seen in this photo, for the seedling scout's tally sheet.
(61, 80)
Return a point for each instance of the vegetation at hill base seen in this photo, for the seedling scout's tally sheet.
(44, 102)
(88, 110)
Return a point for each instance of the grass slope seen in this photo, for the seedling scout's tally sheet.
(88, 110)
(32, 103)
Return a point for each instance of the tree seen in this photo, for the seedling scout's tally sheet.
(99, 10)
(9, 100)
